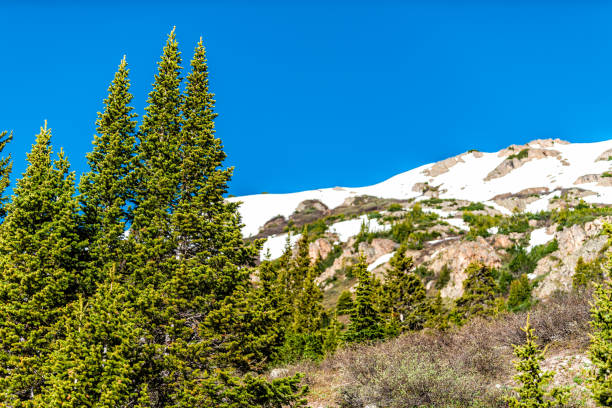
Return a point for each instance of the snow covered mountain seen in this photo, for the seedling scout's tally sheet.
(527, 177)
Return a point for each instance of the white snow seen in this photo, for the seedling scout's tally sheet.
(459, 223)
(493, 230)
(464, 181)
(380, 260)
(538, 237)
(276, 245)
(350, 228)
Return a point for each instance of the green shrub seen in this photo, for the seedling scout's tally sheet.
(345, 303)
(519, 297)
(520, 155)
(443, 277)
(395, 207)
(472, 207)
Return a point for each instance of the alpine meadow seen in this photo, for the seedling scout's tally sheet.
(482, 280)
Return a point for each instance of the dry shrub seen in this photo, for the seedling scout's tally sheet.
(457, 368)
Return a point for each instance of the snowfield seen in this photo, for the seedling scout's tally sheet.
(464, 180)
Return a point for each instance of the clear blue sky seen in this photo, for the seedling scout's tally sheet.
(322, 93)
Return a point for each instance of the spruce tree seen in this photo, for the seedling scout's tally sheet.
(106, 190)
(366, 321)
(157, 173)
(99, 363)
(478, 298)
(6, 166)
(404, 293)
(532, 392)
(39, 270)
(600, 349)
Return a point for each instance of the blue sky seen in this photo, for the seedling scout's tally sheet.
(322, 93)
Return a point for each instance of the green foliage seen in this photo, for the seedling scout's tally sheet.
(586, 273)
(522, 262)
(472, 207)
(567, 217)
(107, 189)
(478, 298)
(606, 174)
(345, 303)
(366, 320)
(443, 277)
(600, 349)
(533, 381)
(395, 207)
(520, 155)
(40, 264)
(6, 166)
(519, 297)
(404, 298)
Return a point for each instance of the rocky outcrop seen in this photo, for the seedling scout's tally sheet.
(274, 226)
(574, 242)
(542, 143)
(319, 249)
(605, 156)
(521, 199)
(457, 256)
(594, 178)
(378, 247)
(512, 163)
(443, 166)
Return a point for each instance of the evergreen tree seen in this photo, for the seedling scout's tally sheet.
(586, 273)
(366, 321)
(6, 166)
(520, 293)
(99, 362)
(600, 350)
(157, 174)
(345, 303)
(533, 381)
(405, 294)
(106, 189)
(39, 270)
(478, 296)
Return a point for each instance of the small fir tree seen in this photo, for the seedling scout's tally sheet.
(532, 391)
(404, 294)
(478, 298)
(366, 320)
(586, 273)
(345, 303)
(519, 296)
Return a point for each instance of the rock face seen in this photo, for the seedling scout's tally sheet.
(510, 164)
(378, 248)
(605, 155)
(457, 256)
(574, 242)
(319, 249)
(443, 166)
(594, 178)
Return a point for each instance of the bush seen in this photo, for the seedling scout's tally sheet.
(443, 277)
(472, 207)
(395, 207)
(345, 303)
(520, 155)
(520, 294)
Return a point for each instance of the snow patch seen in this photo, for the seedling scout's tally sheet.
(380, 260)
(538, 237)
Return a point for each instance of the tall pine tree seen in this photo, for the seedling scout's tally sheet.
(39, 270)
(106, 190)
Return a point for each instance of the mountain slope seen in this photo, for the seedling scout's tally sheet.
(539, 170)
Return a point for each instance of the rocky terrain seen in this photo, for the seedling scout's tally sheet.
(536, 210)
